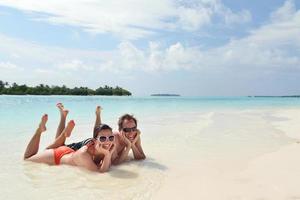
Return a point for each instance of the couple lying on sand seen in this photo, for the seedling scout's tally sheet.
(95, 154)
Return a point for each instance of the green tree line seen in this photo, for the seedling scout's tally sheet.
(15, 89)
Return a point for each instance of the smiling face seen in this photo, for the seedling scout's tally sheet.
(104, 138)
(129, 129)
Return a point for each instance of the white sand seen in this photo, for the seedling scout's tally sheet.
(274, 175)
(288, 122)
(217, 155)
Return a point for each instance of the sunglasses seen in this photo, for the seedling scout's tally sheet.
(127, 130)
(106, 138)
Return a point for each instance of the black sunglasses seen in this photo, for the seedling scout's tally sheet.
(127, 130)
(104, 138)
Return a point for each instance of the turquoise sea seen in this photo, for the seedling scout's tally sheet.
(25, 110)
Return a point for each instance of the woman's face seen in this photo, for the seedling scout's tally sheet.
(105, 138)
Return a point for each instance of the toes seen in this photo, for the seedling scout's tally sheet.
(60, 105)
(43, 122)
(45, 118)
(72, 123)
(69, 128)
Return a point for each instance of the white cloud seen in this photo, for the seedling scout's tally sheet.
(231, 17)
(285, 12)
(191, 19)
(74, 65)
(237, 18)
(45, 64)
(130, 19)
(9, 66)
(44, 71)
(272, 47)
(156, 58)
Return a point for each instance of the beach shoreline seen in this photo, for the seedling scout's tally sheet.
(210, 153)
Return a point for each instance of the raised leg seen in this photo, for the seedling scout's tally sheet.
(98, 117)
(60, 140)
(33, 145)
(63, 116)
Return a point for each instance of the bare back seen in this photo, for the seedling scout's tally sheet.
(80, 158)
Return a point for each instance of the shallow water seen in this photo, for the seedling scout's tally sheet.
(177, 133)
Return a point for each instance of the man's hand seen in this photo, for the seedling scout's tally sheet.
(137, 137)
(137, 148)
(126, 140)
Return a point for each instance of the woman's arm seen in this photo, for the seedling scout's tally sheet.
(105, 164)
(84, 159)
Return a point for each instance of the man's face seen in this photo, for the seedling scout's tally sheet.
(129, 129)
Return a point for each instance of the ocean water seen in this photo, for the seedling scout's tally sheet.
(198, 129)
(24, 110)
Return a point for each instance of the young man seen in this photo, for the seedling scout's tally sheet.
(128, 138)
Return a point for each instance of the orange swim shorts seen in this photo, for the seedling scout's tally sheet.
(60, 152)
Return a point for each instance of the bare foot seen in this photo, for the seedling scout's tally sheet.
(60, 106)
(98, 110)
(62, 110)
(42, 125)
(69, 128)
(65, 113)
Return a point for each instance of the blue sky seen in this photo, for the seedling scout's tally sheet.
(194, 48)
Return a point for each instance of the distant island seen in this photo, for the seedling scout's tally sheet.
(15, 89)
(284, 96)
(166, 95)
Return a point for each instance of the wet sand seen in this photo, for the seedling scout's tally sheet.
(218, 154)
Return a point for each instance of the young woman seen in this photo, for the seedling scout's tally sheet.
(95, 156)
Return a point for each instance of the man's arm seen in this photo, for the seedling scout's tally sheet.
(137, 149)
(124, 152)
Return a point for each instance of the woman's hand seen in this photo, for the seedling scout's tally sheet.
(103, 150)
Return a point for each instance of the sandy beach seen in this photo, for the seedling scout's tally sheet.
(266, 175)
(214, 154)
(213, 84)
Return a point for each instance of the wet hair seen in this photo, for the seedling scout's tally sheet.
(123, 118)
(102, 127)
